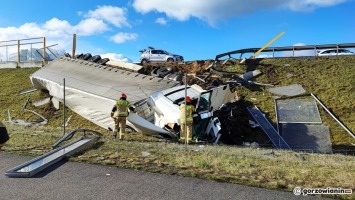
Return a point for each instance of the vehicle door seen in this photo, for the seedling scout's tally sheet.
(204, 102)
(161, 56)
(204, 115)
(154, 55)
(333, 52)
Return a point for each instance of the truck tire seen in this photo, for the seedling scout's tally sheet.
(163, 71)
(103, 61)
(86, 56)
(79, 56)
(170, 60)
(154, 72)
(144, 61)
(95, 58)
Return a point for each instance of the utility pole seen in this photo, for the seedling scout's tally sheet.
(63, 106)
(185, 128)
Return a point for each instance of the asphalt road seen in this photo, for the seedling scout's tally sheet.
(71, 180)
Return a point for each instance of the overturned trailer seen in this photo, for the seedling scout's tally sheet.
(91, 90)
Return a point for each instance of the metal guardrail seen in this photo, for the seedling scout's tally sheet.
(287, 48)
(36, 165)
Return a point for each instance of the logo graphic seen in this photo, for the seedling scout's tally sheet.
(297, 191)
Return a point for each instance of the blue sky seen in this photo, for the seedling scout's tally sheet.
(196, 29)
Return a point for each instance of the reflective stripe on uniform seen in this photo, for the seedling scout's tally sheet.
(189, 110)
(122, 108)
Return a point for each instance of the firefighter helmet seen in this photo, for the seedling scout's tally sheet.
(188, 99)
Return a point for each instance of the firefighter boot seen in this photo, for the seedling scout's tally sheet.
(121, 137)
(114, 133)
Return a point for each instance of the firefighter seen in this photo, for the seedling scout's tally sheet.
(119, 113)
(186, 111)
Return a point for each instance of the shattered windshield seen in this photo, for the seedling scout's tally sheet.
(204, 102)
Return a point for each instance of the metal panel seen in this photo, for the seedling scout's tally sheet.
(290, 90)
(314, 138)
(275, 138)
(297, 111)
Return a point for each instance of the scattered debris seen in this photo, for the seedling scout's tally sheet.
(55, 103)
(145, 154)
(25, 123)
(253, 124)
(41, 102)
(41, 122)
(291, 90)
(252, 145)
(25, 105)
(66, 123)
(28, 91)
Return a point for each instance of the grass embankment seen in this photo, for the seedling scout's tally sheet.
(255, 167)
(331, 79)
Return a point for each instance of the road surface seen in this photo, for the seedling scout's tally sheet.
(72, 180)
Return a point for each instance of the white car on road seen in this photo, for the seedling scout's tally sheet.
(334, 52)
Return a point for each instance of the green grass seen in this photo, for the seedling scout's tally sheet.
(265, 168)
(331, 79)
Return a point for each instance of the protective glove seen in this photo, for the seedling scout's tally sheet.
(132, 109)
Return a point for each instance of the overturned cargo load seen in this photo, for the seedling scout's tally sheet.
(91, 90)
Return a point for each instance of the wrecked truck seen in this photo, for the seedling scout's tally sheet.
(92, 89)
(165, 105)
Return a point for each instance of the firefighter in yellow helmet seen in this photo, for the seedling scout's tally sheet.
(186, 111)
(119, 113)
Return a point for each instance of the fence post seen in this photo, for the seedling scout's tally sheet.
(18, 54)
(44, 52)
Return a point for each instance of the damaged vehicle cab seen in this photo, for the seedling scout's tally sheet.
(166, 107)
(158, 55)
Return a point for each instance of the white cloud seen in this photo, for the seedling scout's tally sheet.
(309, 5)
(117, 57)
(123, 37)
(213, 11)
(161, 21)
(57, 29)
(111, 14)
(60, 32)
(90, 26)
